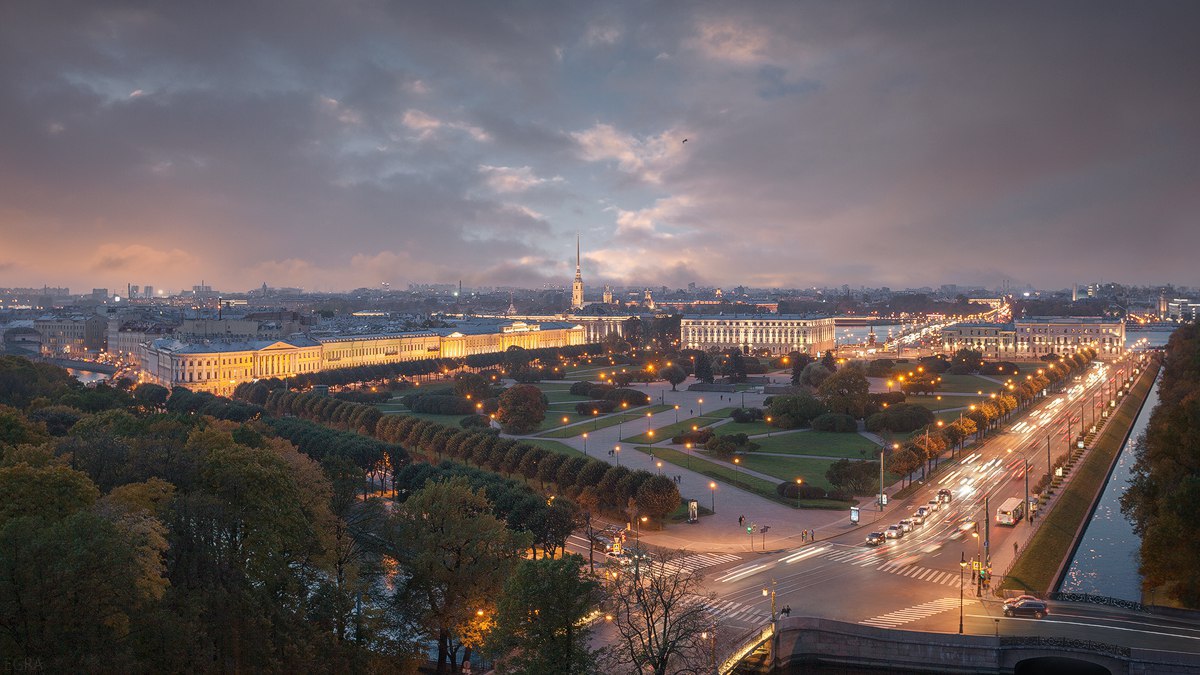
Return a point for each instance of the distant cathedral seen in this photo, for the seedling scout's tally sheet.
(577, 286)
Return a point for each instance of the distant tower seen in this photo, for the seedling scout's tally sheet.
(607, 294)
(512, 308)
(1074, 292)
(577, 286)
(649, 300)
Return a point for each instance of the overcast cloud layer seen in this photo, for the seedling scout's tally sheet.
(333, 145)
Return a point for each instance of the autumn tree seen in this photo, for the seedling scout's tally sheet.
(522, 409)
(457, 556)
(846, 391)
(675, 375)
(539, 627)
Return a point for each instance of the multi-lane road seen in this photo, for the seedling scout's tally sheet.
(915, 582)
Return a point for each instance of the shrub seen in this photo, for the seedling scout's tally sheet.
(440, 404)
(582, 388)
(901, 417)
(835, 422)
(744, 415)
(591, 407)
(599, 391)
(631, 396)
(696, 438)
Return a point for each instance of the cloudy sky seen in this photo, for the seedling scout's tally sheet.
(332, 145)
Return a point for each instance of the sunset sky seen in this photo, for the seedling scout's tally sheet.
(333, 145)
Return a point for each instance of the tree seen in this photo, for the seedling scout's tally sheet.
(846, 391)
(859, 478)
(522, 409)
(458, 556)
(152, 396)
(704, 368)
(473, 386)
(737, 366)
(829, 361)
(814, 374)
(794, 412)
(799, 361)
(675, 375)
(657, 619)
(657, 497)
(539, 626)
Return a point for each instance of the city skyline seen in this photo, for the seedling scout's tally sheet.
(334, 148)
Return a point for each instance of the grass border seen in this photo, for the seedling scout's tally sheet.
(1040, 565)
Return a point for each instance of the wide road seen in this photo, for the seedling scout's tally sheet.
(915, 582)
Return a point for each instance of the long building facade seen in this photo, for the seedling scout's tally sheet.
(218, 366)
(775, 333)
(1034, 337)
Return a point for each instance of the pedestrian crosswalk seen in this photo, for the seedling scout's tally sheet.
(922, 573)
(910, 614)
(698, 561)
(729, 611)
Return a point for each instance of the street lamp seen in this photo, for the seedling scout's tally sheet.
(768, 426)
(700, 405)
(962, 568)
(585, 444)
(688, 446)
(648, 422)
(617, 454)
(799, 482)
(771, 592)
(676, 414)
(736, 461)
(712, 487)
(659, 464)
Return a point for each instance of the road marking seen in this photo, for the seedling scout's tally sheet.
(698, 561)
(910, 614)
(796, 557)
(740, 572)
(920, 573)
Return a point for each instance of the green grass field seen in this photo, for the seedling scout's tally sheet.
(790, 468)
(554, 446)
(968, 383)
(820, 443)
(758, 486)
(675, 428)
(604, 421)
(946, 402)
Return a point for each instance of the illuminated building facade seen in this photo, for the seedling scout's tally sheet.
(775, 333)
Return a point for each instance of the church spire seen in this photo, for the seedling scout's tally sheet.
(577, 286)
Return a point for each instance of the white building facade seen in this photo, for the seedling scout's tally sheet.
(775, 333)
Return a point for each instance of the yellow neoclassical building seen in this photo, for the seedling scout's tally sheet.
(218, 366)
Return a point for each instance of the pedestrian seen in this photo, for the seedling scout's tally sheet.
(804, 535)
(1014, 549)
(741, 520)
(812, 535)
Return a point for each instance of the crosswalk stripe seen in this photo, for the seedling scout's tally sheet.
(910, 614)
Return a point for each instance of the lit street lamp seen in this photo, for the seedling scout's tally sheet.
(585, 444)
(617, 454)
(688, 446)
(713, 488)
(771, 592)
(962, 567)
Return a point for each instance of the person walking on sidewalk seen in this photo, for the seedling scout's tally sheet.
(804, 535)
(741, 520)
(1014, 549)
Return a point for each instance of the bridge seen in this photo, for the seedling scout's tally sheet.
(805, 644)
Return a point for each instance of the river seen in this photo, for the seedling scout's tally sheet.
(1105, 562)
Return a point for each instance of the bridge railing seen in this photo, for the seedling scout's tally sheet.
(1064, 643)
(744, 647)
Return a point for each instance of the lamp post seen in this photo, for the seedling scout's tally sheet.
(771, 592)
(736, 461)
(676, 414)
(617, 454)
(585, 444)
(648, 422)
(799, 482)
(712, 487)
(688, 447)
(962, 567)
(700, 406)
(768, 426)
(637, 547)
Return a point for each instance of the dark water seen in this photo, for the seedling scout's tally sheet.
(87, 376)
(1105, 562)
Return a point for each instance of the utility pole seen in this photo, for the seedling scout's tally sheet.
(1027, 493)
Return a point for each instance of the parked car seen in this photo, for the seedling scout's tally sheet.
(906, 525)
(1026, 607)
(925, 511)
(894, 532)
(945, 495)
(918, 518)
(875, 538)
(934, 505)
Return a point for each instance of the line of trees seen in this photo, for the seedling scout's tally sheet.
(1164, 493)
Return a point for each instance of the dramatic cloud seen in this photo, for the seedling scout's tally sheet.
(334, 145)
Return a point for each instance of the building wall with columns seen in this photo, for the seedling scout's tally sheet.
(1034, 337)
(777, 333)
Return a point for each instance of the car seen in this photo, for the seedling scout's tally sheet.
(934, 505)
(918, 517)
(894, 532)
(945, 495)
(875, 538)
(925, 511)
(906, 525)
(967, 525)
(1026, 607)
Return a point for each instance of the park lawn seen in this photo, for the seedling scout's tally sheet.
(563, 396)
(935, 405)
(748, 428)
(554, 446)
(819, 443)
(675, 428)
(554, 419)
(1038, 564)
(603, 422)
(968, 383)
(753, 484)
(448, 420)
(790, 468)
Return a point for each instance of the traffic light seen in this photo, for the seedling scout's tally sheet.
(749, 529)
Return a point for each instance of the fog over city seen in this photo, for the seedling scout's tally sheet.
(332, 145)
